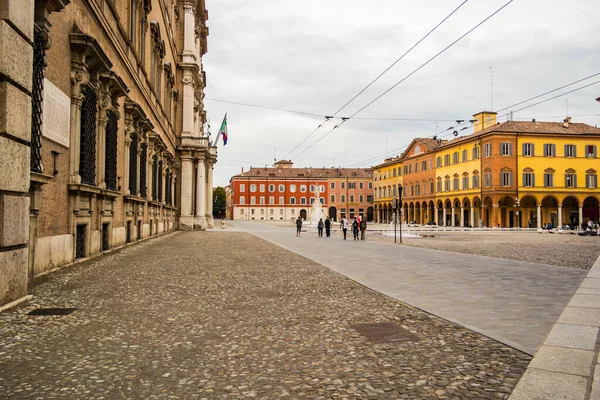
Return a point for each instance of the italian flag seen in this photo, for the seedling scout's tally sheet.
(223, 130)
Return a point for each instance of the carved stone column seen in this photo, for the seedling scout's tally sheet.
(186, 220)
(560, 217)
(189, 25)
(79, 77)
(201, 193)
(209, 192)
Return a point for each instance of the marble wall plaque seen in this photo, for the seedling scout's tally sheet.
(56, 114)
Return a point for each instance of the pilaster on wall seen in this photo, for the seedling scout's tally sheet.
(16, 68)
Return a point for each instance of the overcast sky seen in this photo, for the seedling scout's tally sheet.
(315, 55)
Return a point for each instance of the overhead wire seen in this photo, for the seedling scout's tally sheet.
(501, 116)
(380, 75)
(344, 120)
(550, 91)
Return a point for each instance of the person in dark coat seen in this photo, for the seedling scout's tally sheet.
(327, 227)
(298, 226)
(320, 227)
(355, 228)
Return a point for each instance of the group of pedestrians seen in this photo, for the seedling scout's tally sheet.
(358, 225)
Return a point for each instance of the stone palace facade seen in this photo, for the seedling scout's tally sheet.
(101, 129)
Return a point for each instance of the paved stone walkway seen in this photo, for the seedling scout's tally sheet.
(511, 301)
(225, 315)
(567, 366)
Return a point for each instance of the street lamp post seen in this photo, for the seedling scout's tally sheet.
(395, 208)
(518, 217)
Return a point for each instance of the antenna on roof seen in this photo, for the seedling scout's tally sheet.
(274, 153)
(492, 88)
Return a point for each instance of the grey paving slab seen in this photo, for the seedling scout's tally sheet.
(511, 301)
(545, 385)
(580, 316)
(585, 300)
(560, 359)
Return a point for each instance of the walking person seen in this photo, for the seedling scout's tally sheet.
(344, 226)
(320, 227)
(328, 227)
(298, 226)
(355, 228)
(363, 229)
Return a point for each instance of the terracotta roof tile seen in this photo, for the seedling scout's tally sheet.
(542, 128)
(313, 173)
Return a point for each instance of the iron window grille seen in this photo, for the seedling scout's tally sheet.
(87, 148)
(133, 148)
(110, 172)
(143, 170)
(160, 181)
(37, 101)
(155, 178)
(80, 241)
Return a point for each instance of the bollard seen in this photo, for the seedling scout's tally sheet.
(222, 224)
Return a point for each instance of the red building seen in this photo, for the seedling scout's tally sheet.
(283, 192)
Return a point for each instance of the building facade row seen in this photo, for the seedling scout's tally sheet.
(103, 111)
(284, 193)
(511, 174)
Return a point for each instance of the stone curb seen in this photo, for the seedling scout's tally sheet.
(566, 366)
(16, 302)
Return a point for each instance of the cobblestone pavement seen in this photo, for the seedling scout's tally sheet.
(554, 249)
(226, 315)
(515, 302)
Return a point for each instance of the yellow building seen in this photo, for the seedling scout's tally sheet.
(557, 175)
(387, 179)
(510, 174)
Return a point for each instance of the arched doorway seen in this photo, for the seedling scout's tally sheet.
(487, 215)
(570, 212)
(303, 214)
(591, 210)
(333, 213)
(447, 221)
(507, 210)
(370, 214)
(466, 214)
(528, 212)
(416, 217)
(477, 216)
(550, 211)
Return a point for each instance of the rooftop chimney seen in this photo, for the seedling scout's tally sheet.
(566, 122)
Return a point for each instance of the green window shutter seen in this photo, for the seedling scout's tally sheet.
(523, 147)
(566, 149)
(533, 180)
(510, 177)
(524, 176)
(574, 180)
(532, 150)
(574, 150)
(510, 149)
